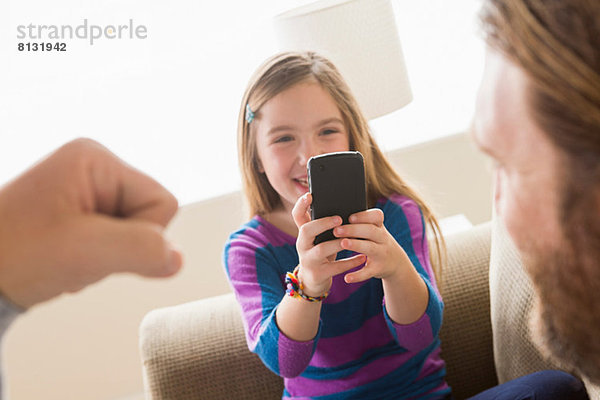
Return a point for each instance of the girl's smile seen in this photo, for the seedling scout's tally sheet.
(302, 183)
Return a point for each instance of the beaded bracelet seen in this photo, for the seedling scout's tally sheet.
(295, 288)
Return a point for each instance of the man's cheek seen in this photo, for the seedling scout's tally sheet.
(507, 207)
(498, 192)
(503, 199)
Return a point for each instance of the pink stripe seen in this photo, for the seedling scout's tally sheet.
(293, 356)
(416, 336)
(242, 273)
(369, 373)
(273, 234)
(336, 351)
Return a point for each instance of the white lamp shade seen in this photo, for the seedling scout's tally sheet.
(361, 38)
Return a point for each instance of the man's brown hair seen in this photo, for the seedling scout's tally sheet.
(557, 45)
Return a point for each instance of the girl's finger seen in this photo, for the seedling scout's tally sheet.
(372, 216)
(308, 231)
(358, 246)
(340, 266)
(300, 211)
(358, 276)
(327, 249)
(362, 231)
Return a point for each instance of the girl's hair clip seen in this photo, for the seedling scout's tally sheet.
(249, 114)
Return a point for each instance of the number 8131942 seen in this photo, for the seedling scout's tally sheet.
(43, 46)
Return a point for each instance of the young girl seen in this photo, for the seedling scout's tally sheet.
(347, 318)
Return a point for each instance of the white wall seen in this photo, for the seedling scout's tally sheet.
(177, 91)
(453, 176)
(85, 345)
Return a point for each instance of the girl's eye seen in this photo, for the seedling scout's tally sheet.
(282, 139)
(329, 131)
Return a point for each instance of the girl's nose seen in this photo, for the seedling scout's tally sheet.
(306, 151)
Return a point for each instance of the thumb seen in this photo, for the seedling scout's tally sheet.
(300, 212)
(128, 245)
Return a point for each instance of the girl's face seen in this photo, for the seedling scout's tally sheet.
(298, 123)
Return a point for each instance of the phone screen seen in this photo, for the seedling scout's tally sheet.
(337, 185)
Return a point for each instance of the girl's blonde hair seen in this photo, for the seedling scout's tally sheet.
(285, 70)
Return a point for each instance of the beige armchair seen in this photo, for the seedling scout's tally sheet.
(198, 350)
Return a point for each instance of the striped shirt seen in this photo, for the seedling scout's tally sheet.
(358, 352)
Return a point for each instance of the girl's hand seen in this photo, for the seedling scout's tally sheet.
(317, 263)
(385, 257)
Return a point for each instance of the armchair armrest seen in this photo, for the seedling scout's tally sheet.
(466, 332)
(198, 350)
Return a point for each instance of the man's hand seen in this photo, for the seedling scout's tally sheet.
(78, 216)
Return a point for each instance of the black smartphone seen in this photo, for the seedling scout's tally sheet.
(337, 184)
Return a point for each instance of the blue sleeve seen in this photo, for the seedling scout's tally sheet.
(258, 283)
(404, 220)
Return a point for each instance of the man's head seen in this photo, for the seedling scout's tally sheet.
(538, 116)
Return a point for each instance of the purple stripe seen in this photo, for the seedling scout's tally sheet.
(293, 356)
(340, 290)
(247, 290)
(417, 232)
(370, 372)
(336, 351)
(416, 336)
(432, 365)
(273, 234)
